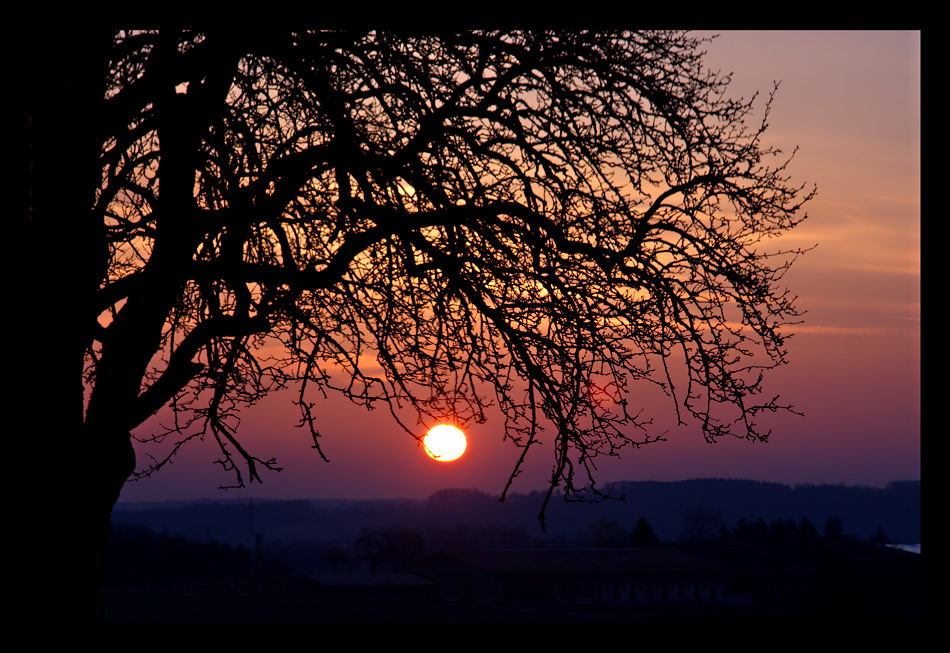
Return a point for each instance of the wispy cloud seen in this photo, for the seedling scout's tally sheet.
(825, 329)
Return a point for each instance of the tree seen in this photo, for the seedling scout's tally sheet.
(701, 523)
(388, 547)
(807, 530)
(880, 536)
(608, 533)
(643, 535)
(834, 530)
(435, 224)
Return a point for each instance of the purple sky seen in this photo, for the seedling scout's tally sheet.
(851, 102)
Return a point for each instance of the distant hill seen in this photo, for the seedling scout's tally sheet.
(674, 509)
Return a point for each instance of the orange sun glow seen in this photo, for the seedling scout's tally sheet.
(444, 443)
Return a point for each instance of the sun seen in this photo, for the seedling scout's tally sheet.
(444, 443)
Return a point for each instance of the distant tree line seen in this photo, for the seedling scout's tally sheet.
(141, 556)
(704, 524)
(786, 564)
(138, 556)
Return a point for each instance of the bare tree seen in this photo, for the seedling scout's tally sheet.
(436, 224)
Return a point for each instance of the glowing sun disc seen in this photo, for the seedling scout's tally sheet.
(444, 443)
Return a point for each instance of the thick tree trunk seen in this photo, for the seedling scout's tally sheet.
(79, 452)
(61, 263)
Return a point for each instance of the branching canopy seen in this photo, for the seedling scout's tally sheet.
(533, 221)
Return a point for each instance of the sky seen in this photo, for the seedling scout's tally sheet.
(850, 102)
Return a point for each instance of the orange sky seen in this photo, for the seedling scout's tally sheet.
(851, 102)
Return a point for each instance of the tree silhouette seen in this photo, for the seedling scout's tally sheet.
(643, 535)
(834, 530)
(701, 523)
(608, 533)
(435, 224)
(387, 547)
